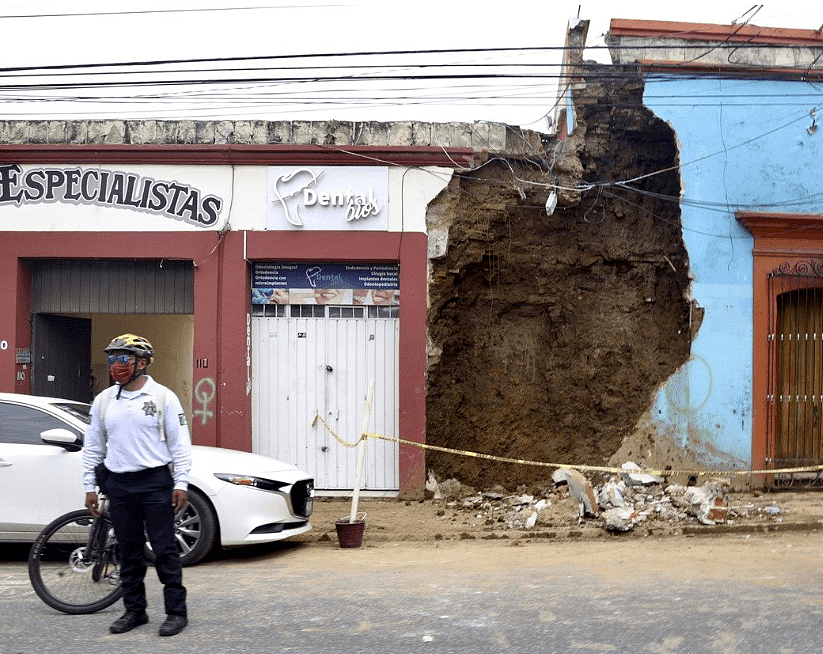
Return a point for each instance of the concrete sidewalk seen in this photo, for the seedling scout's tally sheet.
(391, 520)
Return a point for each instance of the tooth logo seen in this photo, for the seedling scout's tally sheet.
(283, 180)
(312, 274)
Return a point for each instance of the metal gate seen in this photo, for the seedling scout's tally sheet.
(795, 398)
(318, 359)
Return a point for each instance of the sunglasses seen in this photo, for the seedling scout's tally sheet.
(119, 358)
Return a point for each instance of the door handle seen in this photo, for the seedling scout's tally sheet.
(329, 368)
(4, 464)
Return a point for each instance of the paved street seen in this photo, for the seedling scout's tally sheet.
(729, 595)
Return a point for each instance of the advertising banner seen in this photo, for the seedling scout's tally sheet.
(326, 283)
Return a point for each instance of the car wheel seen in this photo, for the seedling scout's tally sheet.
(195, 528)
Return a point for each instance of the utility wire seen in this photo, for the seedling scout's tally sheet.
(443, 77)
(167, 11)
(384, 53)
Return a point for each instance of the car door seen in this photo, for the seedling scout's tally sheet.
(38, 482)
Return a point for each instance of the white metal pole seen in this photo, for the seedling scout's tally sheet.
(361, 453)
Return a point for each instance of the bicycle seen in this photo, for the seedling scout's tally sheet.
(74, 565)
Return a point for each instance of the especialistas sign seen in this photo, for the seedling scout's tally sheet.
(109, 188)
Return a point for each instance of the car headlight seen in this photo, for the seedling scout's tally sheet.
(250, 481)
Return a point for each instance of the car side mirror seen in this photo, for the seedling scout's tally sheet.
(62, 438)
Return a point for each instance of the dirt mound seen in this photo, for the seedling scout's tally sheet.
(550, 334)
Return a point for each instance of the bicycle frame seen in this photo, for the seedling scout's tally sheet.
(94, 546)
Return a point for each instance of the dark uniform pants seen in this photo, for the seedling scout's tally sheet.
(140, 504)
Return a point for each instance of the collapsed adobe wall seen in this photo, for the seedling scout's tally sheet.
(550, 333)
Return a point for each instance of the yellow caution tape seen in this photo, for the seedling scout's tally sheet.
(503, 459)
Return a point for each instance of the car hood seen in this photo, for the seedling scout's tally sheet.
(209, 460)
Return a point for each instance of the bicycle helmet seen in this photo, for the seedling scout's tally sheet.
(137, 345)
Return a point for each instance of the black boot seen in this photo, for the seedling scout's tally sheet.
(173, 624)
(128, 621)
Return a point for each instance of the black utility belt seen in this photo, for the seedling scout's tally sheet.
(140, 474)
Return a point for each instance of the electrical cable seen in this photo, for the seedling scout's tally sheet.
(84, 68)
(164, 11)
(364, 96)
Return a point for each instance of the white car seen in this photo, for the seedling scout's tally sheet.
(235, 498)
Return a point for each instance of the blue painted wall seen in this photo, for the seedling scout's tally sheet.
(744, 146)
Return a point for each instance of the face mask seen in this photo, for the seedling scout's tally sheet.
(122, 372)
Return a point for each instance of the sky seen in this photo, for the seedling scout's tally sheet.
(271, 77)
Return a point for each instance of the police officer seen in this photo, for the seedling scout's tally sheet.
(137, 430)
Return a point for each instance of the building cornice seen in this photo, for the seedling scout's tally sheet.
(238, 154)
(749, 34)
(801, 226)
(724, 50)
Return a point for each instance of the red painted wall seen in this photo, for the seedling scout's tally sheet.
(232, 312)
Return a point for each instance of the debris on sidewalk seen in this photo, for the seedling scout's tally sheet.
(706, 503)
(449, 489)
(611, 494)
(638, 478)
(580, 488)
(617, 503)
(433, 487)
(620, 519)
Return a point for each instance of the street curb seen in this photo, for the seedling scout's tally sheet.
(326, 538)
(709, 530)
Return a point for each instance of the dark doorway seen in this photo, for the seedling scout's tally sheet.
(62, 357)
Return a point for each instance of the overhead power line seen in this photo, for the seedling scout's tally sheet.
(385, 53)
(432, 77)
(134, 12)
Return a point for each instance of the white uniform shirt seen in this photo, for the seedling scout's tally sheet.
(132, 440)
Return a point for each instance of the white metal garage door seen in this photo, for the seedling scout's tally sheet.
(319, 359)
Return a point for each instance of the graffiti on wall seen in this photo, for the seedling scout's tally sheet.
(204, 393)
(692, 388)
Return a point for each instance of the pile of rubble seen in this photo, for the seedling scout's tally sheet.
(618, 503)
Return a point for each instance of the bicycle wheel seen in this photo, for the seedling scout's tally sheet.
(68, 579)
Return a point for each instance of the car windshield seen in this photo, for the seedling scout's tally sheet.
(78, 410)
